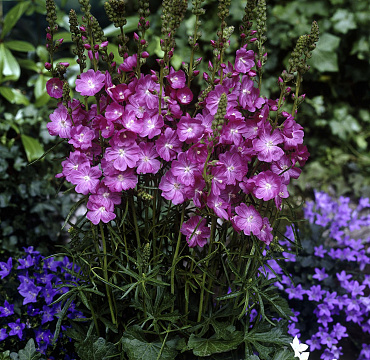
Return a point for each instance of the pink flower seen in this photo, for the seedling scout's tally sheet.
(189, 130)
(60, 124)
(123, 156)
(147, 163)
(267, 185)
(185, 170)
(266, 232)
(218, 205)
(184, 95)
(54, 88)
(151, 125)
(118, 181)
(176, 79)
(102, 192)
(114, 112)
(145, 91)
(266, 146)
(81, 137)
(168, 145)
(233, 167)
(196, 231)
(248, 219)
(90, 83)
(129, 63)
(244, 60)
(86, 179)
(100, 210)
(172, 189)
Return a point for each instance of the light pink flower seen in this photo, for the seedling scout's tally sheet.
(100, 210)
(90, 83)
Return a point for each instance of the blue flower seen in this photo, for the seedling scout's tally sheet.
(7, 310)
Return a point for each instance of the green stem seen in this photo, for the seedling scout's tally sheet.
(135, 222)
(176, 253)
(105, 271)
(201, 299)
(298, 84)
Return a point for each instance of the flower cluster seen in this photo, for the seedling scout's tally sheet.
(339, 286)
(30, 311)
(230, 157)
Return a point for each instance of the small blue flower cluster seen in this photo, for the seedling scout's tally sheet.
(331, 277)
(30, 312)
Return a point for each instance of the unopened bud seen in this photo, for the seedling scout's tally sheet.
(144, 54)
(47, 66)
(87, 46)
(104, 44)
(196, 72)
(96, 47)
(136, 36)
(253, 40)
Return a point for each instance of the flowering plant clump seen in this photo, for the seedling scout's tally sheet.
(183, 190)
(30, 286)
(337, 290)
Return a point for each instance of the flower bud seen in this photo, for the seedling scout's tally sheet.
(144, 54)
(253, 40)
(104, 44)
(96, 47)
(47, 66)
(196, 72)
(87, 46)
(136, 37)
(142, 41)
(65, 64)
(48, 36)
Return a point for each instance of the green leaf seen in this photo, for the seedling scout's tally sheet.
(207, 347)
(29, 352)
(13, 16)
(18, 45)
(137, 347)
(14, 96)
(32, 147)
(8, 64)
(324, 57)
(29, 65)
(95, 349)
(5, 355)
(40, 86)
(343, 21)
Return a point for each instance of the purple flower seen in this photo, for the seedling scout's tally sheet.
(339, 331)
(26, 263)
(86, 179)
(7, 309)
(172, 188)
(315, 293)
(90, 83)
(3, 334)
(248, 219)
(244, 60)
(176, 79)
(54, 88)
(60, 124)
(100, 211)
(17, 328)
(196, 231)
(29, 291)
(267, 147)
(5, 268)
(320, 274)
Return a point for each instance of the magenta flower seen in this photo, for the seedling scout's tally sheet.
(267, 146)
(233, 167)
(248, 219)
(90, 83)
(81, 137)
(129, 63)
(60, 124)
(113, 112)
(54, 88)
(146, 92)
(176, 79)
(123, 156)
(102, 192)
(189, 130)
(184, 95)
(285, 169)
(185, 170)
(168, 145)
(244, 60)
(151, 125)
(218, 205)
(147, 163)
(267, 185)
(172, 189)
(233, 131)
(266, 232)
(74, 162)
(86, 179)
(100, 210)
(121, 180)
(196, 231)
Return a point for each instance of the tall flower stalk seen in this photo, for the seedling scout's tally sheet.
(181, 206)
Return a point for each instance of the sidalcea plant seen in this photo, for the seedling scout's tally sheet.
(183, 189)
(330, 277)
(30, 285)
